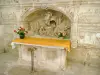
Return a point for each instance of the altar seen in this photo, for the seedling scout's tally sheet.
(49, 35)
(47, 53)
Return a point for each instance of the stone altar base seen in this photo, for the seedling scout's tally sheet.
(52, 59)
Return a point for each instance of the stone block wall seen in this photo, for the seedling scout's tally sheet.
(85, 17)
(1, 39)
(86, 56)
(89, 24)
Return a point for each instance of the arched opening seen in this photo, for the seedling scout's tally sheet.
(47, 23)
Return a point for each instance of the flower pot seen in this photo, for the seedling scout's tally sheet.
(22, 36)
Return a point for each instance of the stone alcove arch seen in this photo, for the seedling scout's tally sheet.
(64, 11)
(41, 22)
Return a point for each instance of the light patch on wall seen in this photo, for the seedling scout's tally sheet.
(98, 35)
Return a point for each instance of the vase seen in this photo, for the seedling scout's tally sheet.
(22, 36)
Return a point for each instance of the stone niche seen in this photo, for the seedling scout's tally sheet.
(46, 23)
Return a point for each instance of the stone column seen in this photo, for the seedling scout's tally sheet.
(74, 27)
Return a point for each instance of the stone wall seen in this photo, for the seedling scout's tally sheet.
(84, 16)
(89, 24)
(87, 56)
(7, 21)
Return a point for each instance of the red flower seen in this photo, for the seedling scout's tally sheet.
(15, 31)
(20, 31)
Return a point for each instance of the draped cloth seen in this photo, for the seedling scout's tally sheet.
(46, 42)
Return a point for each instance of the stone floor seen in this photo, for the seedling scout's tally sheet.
(74, 68)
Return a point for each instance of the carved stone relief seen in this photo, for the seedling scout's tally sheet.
(87, 36)
(89, 15)
(7, 17)
(47, 23)
(25, 8)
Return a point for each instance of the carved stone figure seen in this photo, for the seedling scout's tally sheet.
(48, 30)
(49, 23)
(47, 17)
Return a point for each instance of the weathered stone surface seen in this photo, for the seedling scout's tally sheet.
(1, 30)
(90, 15)
(2, 47)
(9, 29)
(7, 18)
(8, 66)
(1, 38)
(7, 41)
(86, 55)
(44, 58)
(8, 2)
(88, 24)
(8, 36)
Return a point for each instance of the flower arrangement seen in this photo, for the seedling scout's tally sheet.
(62, 35)
(21, 31)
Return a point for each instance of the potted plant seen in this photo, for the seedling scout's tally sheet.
(21, 31)
(63, 35)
